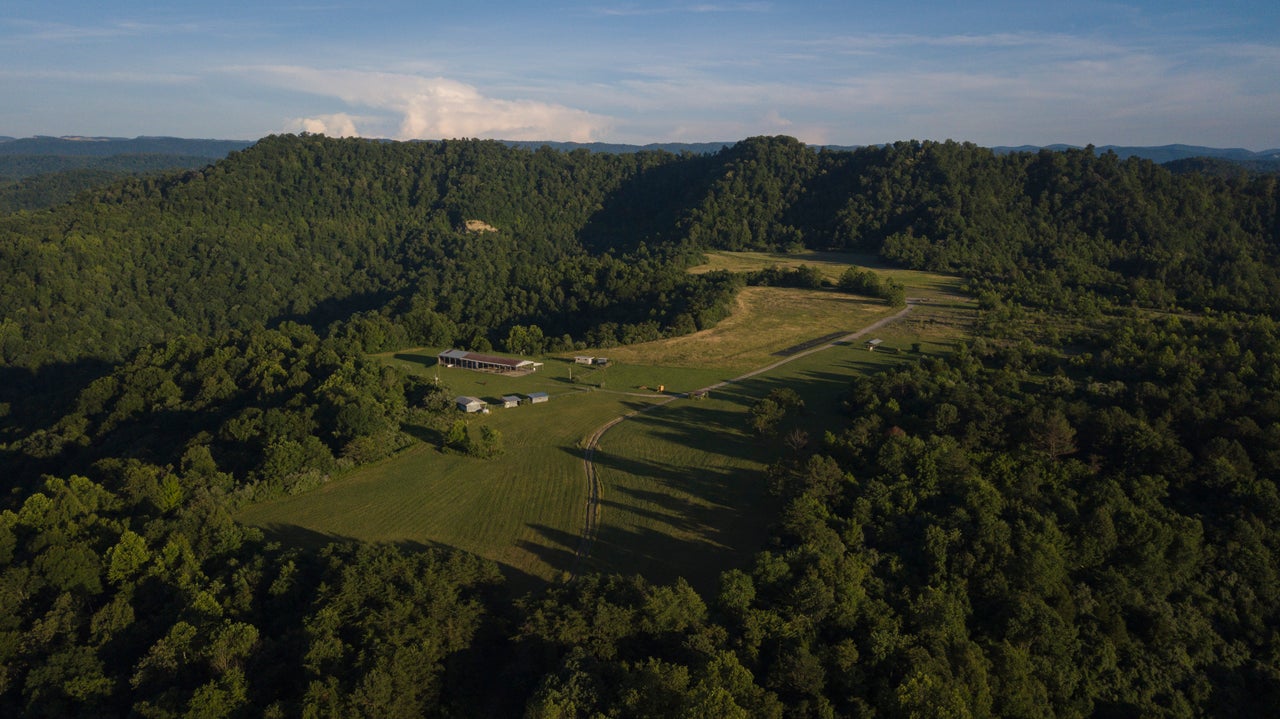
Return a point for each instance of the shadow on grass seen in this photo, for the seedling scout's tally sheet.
(664, 519)
(661, 558)
(670, 520)
(558, 551)
(418, 359)
(428, 435)
(312, 542)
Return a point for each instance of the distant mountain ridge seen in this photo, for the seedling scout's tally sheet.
(96, 146)
(83, 146)
(1161, 153)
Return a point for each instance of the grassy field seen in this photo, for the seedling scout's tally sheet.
(683, 483)
(832, 265)
(766, 322)
(684, 490)
(524, 509)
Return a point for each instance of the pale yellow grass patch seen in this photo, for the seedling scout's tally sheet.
(831, 265)
(764, 322)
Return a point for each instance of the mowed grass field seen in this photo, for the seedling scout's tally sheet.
(766, 322)
(524, 509)
(683, 483)
(684, 491)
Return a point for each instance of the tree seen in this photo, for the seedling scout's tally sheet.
(524, 340)
(458, 437)
(765, 416)
(490, 444)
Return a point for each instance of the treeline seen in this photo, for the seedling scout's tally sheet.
(853, 280)
(259, 412)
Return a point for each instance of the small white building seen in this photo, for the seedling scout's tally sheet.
(537, 397)
(510, 400)
(470, 404)
(582, 359)
(873, 344)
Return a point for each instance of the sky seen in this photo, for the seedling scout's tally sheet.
(842, 73)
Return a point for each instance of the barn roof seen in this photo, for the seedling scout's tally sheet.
(510, 362)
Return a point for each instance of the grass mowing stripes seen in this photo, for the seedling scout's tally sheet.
(523, 509)
(684, 490)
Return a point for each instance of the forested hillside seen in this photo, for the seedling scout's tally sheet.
(1073, 514)
(313, 229)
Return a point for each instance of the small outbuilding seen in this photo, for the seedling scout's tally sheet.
(470, 404)
(581, 359)
(600, 361)
(873, 344)
(510, 400)
(537, 397)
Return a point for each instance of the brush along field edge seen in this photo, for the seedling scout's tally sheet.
(595, 489)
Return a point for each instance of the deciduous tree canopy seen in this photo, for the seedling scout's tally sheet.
(1073, 514)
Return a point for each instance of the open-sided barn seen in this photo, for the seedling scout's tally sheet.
(485, 363)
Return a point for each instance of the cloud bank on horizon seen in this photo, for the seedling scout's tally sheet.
(1145, 73)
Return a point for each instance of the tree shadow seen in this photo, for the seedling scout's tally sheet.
(560, 551)
(427, 435)
(418, 359)
(38, 397)
(663, 519)
(326, 312)
(694, 522)
(313, 541)
(299, 537)
(647, 206)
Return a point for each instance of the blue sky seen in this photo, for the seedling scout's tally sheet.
(995, 73)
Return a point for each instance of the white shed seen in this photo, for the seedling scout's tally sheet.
(470, 404)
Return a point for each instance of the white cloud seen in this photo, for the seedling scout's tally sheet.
(415, 107)
(336, 125)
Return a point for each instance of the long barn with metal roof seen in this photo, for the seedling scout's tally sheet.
(486, 363)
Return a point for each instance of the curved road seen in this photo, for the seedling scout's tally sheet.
(594, 488)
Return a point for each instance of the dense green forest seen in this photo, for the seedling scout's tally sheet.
(51, 188)
(1074, 514)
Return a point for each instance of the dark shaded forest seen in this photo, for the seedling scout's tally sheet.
(1074, 514)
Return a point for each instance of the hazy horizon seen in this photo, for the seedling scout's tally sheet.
(996, 74)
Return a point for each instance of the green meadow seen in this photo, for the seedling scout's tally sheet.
(683, 479)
